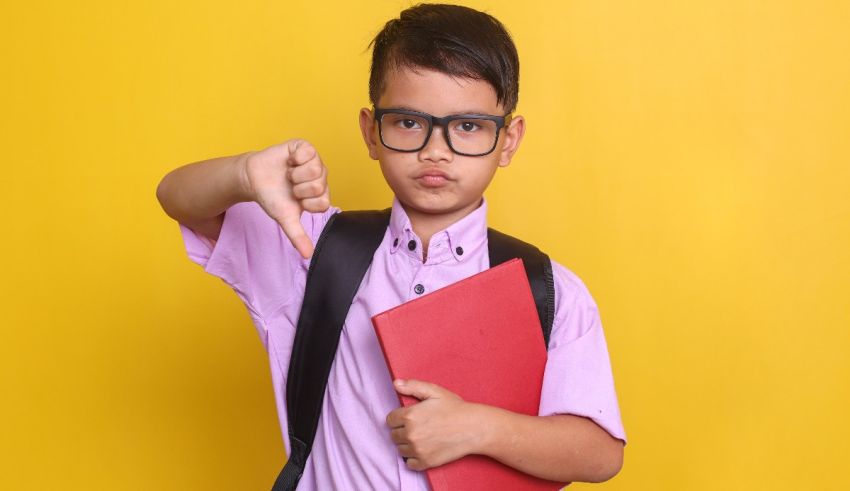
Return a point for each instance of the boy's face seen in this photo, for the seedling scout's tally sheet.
(415, 177)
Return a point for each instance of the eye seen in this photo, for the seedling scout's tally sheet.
(408, 124)
(468, 126)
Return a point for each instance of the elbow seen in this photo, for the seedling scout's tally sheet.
(610, 464)
(162, 195)
(160, 189)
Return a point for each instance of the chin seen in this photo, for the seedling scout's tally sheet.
(435, 205)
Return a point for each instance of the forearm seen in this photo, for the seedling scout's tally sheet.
(561, 448)
(195, 193)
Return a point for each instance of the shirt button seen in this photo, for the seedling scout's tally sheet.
(459, 251)
(419, 289)
(411, 245)
(395, 242)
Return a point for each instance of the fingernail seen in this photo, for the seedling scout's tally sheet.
(399, 382)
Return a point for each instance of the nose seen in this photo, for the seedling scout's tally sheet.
(437, 148)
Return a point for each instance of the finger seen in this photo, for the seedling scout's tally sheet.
(418, 389)
(309, 189)
(300, 152)
(399, 435)
(394, 418)
(406, 450)
(316, 205)
(291, 225)
(414, 464)
(398, 417)
(309, 171)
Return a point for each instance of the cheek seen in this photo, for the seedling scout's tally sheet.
(483, 172)
(393, 172)
(396, 163)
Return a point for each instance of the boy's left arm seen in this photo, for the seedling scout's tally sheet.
(442, 428)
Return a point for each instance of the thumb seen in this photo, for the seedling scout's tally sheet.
(290, 222)
(418, 389)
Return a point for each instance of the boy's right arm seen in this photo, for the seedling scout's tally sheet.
(284, 179)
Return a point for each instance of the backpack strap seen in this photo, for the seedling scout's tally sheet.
(538, 268)
(339, 262)
(341, 258)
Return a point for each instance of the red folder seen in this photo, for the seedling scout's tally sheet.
(481, 339)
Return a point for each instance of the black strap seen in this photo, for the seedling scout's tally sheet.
(339, 262)
(538, 268)
(341, 258)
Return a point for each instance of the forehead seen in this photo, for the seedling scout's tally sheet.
(437, 93)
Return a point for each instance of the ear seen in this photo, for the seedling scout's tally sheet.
(368, 128)
(513, 136)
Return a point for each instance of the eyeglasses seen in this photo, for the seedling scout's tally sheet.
(471, 135)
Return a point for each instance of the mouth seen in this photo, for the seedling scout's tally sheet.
(433, 178)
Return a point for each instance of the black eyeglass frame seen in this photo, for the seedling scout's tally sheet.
(501, 122)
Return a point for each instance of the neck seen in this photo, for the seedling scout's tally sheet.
(425, 225)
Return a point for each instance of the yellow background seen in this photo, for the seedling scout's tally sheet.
(689, 160)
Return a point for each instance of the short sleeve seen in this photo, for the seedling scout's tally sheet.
(578, 379)
(255, 258)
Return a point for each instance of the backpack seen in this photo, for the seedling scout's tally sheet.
(341, 258)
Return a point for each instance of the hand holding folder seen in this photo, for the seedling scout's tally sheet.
(481, 339)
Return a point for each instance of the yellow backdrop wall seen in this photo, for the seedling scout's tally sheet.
(689, 160)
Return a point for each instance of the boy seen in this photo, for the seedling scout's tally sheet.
(252, 220)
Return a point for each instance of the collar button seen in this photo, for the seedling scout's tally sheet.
(411, 245)
(459, 251)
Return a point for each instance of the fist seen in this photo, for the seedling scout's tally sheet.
(439, 429)
(285, 180)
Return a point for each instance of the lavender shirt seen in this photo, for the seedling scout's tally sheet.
(353, 449)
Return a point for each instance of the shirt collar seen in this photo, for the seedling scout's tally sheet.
(457, 241)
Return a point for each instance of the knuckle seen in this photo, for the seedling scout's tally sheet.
(299, 143)
(413, 438)
(307, 148)
(313, 172)
(305, 144)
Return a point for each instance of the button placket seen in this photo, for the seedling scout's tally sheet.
(420, 283)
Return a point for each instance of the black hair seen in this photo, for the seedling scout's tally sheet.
(455, 40)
